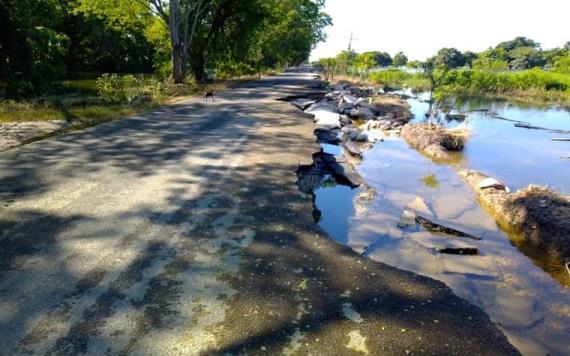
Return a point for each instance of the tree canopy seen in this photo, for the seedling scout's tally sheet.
(449, 57)
(43, 41)
(400, 59)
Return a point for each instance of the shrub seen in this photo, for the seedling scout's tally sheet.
(466, 80)
(562, 64)
(228, 70)
(399, 79)
(19, 89)
(127, 89)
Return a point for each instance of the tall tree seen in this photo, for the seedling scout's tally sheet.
(180, 17)
(449, 57)
(519, 41)
(400, 59)
(206, 32)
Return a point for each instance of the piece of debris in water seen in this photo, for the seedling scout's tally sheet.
(493, 183)
(471, 251)
(407, 219)
(456, 116)
(439, 228)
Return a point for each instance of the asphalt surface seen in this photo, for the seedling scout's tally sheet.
(181, 231)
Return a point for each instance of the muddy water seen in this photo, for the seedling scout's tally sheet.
(531, 305)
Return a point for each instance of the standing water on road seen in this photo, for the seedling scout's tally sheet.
(527, 297)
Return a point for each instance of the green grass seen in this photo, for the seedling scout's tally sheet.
(81, 86)
(399, 79)
(32, 111)
(532, 86)
(79, 103)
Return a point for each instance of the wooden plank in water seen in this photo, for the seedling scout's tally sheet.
(437, 227)
(469, 251)
(529, 126)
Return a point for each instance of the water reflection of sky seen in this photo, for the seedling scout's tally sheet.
(532, 307)
(514, 155)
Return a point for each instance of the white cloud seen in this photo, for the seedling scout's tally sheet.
(421, 27)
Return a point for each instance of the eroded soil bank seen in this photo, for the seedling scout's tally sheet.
(539, 215)
(182, 231)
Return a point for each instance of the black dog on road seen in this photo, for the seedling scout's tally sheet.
(209, 95)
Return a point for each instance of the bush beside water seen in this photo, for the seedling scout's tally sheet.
(536, 83)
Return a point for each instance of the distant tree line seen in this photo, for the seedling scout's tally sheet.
(43, 42)
(518, 54)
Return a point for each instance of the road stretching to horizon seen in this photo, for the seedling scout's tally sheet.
(181, 231)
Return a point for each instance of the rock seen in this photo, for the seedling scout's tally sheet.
(349, 132)
(342, 107)
(370, 107)
(326, 119)
(345, 120)
(374, 135)
(352, 149)
(362, 113)
(349, 99)
(322, 105)
(354, 134)
(327, 136)
(346, 172)
(302, 103)
(371, 125)
(325, 158)
(493, 183)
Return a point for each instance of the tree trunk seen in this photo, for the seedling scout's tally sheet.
(177, 66)
(175, 42)
(198, 62)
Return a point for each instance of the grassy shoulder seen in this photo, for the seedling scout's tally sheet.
(81, 105)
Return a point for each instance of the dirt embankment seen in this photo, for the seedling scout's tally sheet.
(540, 215)
(17, 133)
(393, 107)
(435, 141)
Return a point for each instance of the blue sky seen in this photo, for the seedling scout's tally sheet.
(421, 27)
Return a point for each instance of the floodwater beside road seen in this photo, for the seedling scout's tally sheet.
(531, 306)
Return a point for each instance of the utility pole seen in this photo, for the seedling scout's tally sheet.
(350, 40)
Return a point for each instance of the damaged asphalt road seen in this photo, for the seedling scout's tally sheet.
(182, 231)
